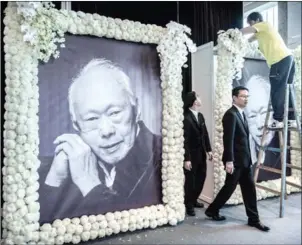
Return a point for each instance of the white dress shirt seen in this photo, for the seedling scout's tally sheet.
(240, 111)
(195, 114)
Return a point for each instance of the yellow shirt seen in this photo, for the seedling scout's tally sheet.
(270, 43)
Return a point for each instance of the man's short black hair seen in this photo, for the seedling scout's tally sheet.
(189, 99)
(255, 16)
(236, 90)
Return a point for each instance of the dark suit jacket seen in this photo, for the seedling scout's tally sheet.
(196, 138)
(235, 139)
(137, 184)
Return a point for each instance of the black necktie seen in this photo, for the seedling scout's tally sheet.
(244, 119)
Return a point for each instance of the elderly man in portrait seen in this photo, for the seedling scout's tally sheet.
(113, 161)
(256, 111)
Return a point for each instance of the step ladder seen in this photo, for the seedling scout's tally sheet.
(284, 147)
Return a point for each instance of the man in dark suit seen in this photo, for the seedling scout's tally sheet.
(237, 161)
(197, 146)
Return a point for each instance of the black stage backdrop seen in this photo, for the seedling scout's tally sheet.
(204, 18)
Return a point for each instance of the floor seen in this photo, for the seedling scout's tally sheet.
(200, 230)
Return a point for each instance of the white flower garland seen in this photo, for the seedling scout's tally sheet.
(43, 28)
(294, 136)
(23, 47)
(232, 48)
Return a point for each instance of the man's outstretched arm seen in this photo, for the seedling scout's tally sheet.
(248, 30)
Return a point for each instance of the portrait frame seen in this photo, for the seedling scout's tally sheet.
(232, 49)
(33, 33)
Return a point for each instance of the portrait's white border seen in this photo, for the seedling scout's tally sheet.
(33, 32)
(232, 48)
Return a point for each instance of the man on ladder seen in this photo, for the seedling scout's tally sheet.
(280, 61)
(285, 116)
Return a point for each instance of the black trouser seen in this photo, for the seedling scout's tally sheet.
(244, 176)
(281, 74)
(194, 179)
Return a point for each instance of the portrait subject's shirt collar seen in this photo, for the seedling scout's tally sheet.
(109, 175)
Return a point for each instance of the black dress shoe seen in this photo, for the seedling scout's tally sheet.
(259, 226)
(199, 205)
(214, 216)
(191, 212)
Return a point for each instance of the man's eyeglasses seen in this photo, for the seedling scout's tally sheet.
(244, 96)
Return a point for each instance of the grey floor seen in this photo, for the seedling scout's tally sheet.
(200, 230)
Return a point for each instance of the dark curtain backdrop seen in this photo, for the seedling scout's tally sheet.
(204, 18)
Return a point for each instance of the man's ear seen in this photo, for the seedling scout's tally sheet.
(75, 125)
(137, 111)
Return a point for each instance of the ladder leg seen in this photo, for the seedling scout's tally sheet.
(284, 151)
(281, 140)
(297, 116)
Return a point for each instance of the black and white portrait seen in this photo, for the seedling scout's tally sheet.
(255, 76)
(100, 129)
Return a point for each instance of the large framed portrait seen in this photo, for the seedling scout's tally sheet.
(93, 138)
(99, 128)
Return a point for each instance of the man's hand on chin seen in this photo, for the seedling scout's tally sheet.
(82, 162)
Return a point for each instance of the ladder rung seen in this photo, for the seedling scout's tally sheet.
(264, 148)
(281, 129)
(293, 166)
(289, 109)
(268, 189)
(294, 148)
(293, 184)
(269, 169)
(274, 149)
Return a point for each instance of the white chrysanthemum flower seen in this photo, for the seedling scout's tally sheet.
(67, 238)
(71, 228)
(76, 239)
(61, 229)
(79, 229)
(103, 224)
(102, 233)
(84, 219)
(100, 217)
(87, 226)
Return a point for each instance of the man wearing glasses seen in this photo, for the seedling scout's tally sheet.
(113, 161)
(237, 161)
